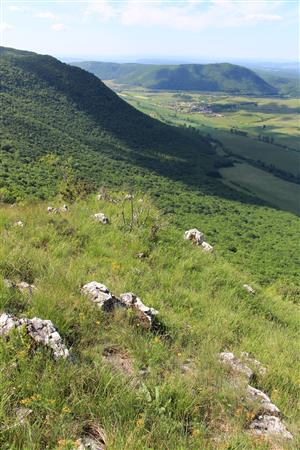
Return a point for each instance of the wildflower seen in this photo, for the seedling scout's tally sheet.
(22, 354)
(195, 432)
(66, 410)
(115, 267)
(140, 422)
(156, 340)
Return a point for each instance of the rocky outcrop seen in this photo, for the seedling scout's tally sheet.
(270, 426)
(194, 235)
(249, 288)
(100, 294)
(237, 366)
(104, 299)
(22, 286)
(198, 238)
(267, 421)
(101, 218)
(146, 313)
(41, 331)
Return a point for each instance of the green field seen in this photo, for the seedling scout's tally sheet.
(280, 193)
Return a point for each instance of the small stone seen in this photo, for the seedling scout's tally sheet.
(207, 247)
(100, 217)
(89, 443)
(194, 235)
(129, 197)
(19, 223)
(272, 426)
(141, 255)
(249, 289)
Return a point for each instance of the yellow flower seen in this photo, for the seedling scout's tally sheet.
(195, 432)
(140, 422)
(115, 266)
(66, 410)
(22, 354)
(156, 340)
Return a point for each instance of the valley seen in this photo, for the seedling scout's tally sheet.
(262, 132)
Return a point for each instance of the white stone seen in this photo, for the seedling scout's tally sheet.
(41, 331)
(132, 301)
(272, 426)
(207, 247)
(194, 235)
(19, 223)
(236, 364)
(100, 217)
(266, 405)
(249, 289)
(100, 294)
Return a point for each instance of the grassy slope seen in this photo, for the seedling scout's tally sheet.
(201, 302)
(200, 77)
(52, 108)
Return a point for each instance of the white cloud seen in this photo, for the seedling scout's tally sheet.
(4, 26)
(104, 9)
(59, 27)
(46, 15)
(191, 15)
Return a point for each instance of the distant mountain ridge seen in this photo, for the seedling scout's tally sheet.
(221, 77)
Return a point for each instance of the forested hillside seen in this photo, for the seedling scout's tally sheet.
(62, 130)
(222, 77)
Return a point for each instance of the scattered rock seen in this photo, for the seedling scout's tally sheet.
(100, 217)
(249, 289)
(101, 295)
(186, 367)
(22, 286)
(267, 422)
(89, 443)
(272, 426)
(105, 300)
(129, 197)
(21, 416)
(266, 406)
(254, 362)
(53, 210)
(19, 223)
(42, 332)
(94, 438)
(207, 247)
(130, 300)
(141, 255)
(236, 364)
(118, 360)
(194, 235)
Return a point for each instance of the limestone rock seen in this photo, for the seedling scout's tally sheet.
(254, 363)
(129, 197)
(194, 235)
(236, 365)
(249, 289)
(42, 332)
(53, 210)
(130, 300)
(269, 425)
(89, 443)
(207, 247)
(19, 223)
(100, 217)
(100, 295)
(266, 406)
(141, 255)
(22, 286)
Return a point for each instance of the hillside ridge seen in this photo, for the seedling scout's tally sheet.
(222, 77)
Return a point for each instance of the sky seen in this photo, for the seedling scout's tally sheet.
(188, 30)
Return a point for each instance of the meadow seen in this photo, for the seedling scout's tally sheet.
(155, 402)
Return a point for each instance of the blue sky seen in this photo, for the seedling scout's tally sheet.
(187, 29)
